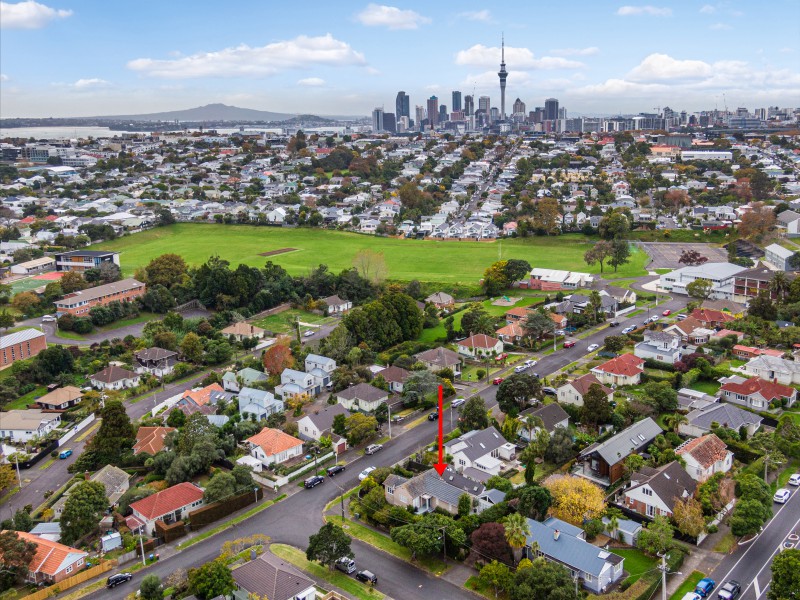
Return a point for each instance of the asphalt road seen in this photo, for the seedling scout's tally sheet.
(750, 565)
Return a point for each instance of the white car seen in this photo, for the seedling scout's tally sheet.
(781, 496)
(365, 473)
(457, 402)
(529, 363)
(309, 333)
(593, 347)
(49, 319)
(794, 479)
(519, 368)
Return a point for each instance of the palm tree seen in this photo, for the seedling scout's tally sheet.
(674, 421)
(517, 532)
(613, 525)
(531, 423)
(779, 284)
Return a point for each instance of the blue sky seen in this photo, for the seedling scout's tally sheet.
(82, 57)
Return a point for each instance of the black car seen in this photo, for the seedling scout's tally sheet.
(312, 481)
(367, 577)
(115, 580)
(434, 416)
(335, 469)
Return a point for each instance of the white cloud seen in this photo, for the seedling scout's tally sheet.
(651, 11)
(28, 15)
(720, 27)
(621, 88)
(662, 67)
(516, 58)
(302, 51)
(708, 9)
(379, 15)
(311, 82)
(88, 83)
(4, 77)
(590, 51)
(477, 15)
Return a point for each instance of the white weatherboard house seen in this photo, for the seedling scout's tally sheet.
(484, 450)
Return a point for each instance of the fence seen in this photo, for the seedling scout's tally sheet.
(44, 452)
(76, 429)
(168, 403)
(720, 515)
(71, 582)
(271, 311)
(280, 481)
(625, 311)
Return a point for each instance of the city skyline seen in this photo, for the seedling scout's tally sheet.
(349, 59)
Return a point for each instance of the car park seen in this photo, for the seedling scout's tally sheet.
(666, 313)
(115, 580)
(434, 416)
(346, 565)
(592, 347)
(794, 479)
(372, 448)
(781, 496)
(704, 587)
(331, 471)
(457, 402)
(497, 381)
(65, 454)
(569, 344)
(367, 577)
(730, 590)
(365, 473)
(313, 481)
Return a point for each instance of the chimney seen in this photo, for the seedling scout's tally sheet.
(556, 534)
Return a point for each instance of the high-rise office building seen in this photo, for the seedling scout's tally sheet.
(402, 105)
(403, 124)
(562, 113)
(469, 106)
(503, 74)
(456, 101)
(433, 111)
(551, 109)
(457, 115)
(443, 117)
(377, 120)
(494, 115)
(420, 115)
(389, 122)
(485, 104)
(519, 107)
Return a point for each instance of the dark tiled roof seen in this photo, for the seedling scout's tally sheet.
(270, 577)
(670, 482)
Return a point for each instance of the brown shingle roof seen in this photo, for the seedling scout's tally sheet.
(112, 374)
(270, 577)
(583, 383)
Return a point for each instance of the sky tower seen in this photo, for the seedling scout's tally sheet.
(502, 74)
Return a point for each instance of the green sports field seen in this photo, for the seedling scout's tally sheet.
(424, 260)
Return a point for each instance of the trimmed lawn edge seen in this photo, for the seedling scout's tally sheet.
(688, 585)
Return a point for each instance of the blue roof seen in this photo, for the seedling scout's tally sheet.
(563, 527)
(569, 550)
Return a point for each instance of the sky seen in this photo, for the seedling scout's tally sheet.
(62, 58)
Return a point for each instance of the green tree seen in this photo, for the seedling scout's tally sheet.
(559, 449)
(614, 225)
(748, 517)
(543, 579)
(166, 270)
(211, 580)
(534, 502)
(656, 537)
(598, 253)
(150, 588)
(360, 428)
(22, 520)
(688, 516)
(615, 343)
(420, 540)
(517, 532)
(596, 408)
(516, 391)
(464, 505)
(328, 545)
(620, 253)
(221, 486)
(700, 289)
(82, 511)
(785, 575)
(17, 554)
(536, 448)
(498, 482)
(537, 324)
(497, 575)
(115, 436)
(473, 414)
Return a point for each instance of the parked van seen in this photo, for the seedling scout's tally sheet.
(346, 565)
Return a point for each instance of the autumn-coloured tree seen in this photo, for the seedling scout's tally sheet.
(757, 222)
(371, 265)
(575, 499)
(688, 516)
(278, 356)
(676, 199)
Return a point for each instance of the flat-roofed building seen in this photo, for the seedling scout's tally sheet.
(83, 260)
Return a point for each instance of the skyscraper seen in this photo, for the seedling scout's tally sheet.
(377, 119)
(389, 122)
(420, 116)
(443, 116)
(551, 109)
(456, 101)
(503, 74)
(485, 104)
(519, 107)
(433, 111)
(469, 106)
(402, 106)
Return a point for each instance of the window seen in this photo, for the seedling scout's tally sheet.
(647, 491)
(68, 569)
(587, 577)
(651, 511)
(390, 490)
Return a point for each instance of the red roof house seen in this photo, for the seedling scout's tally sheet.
(755, 393)
(52, 561)
(170, 505)
(625, 369)
(479, 345)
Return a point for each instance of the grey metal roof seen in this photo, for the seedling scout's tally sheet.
(270, 577)
(564, 527)
(725, 414)
(570, 550)
(478, 442)
(630, 440)
(550, 414)
(323, 420)
(363, 391)
(20, 336)
(447, 488)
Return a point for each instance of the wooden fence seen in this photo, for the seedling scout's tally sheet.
(71, 582)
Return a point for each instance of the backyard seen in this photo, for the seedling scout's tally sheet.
(424, 260)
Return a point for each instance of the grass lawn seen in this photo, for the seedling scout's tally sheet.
(707, 387)
(143, 317)
(424, 260)
(636, 562)
(344, 582)
(23, 401)
(725, 544)
(283, 322)
(688, 585)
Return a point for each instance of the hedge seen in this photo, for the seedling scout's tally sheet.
(661, 366)
(169, 533)
(213, 512)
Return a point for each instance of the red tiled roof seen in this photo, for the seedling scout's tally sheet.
(626, 364)
(519, 311)
(769, 390)
(50, 557)
(168, 500)
(513, 330)
(706, 450)
(708, 315)
(274, 441)
(202, 396)
(479, 340)
(151, 439)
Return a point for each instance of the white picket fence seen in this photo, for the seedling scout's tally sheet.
(168, 403)
(76, 429)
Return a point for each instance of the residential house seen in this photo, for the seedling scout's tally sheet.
(233, 382)
(574, 391)
(595, 568)
(773, 368)
(437, 359)
(296, 383)
(660, 346)
(691, 331)
(258, 403)
(155, 361)
(242, 330)
(19, 345)
(441, 300)
(756, 393)
(114, 480)
(735, 309)
(625, 369)
(81, 302)
(395, 377)
(479, 346)
(83, 260)
(336, 306)
(781, 258)
(723, 333)
(700, 420)
(511, 333)
(273, 446)
(320, 423)
(789, 221)
(270, 577)
(114, 378)
(603, 461)
(52, 562)
(321, 369)
(711, 318)
(552, 416)
(150, 440)
(60, 398)
(689, 399)
(555, 280)
(747, 352)
(750, 283)
(170, 506)
(199, 400)
(483, 450)
(25, 425)
(362, 397)
(428, 491)
(705, 456)
(653, 492)
(47, 531)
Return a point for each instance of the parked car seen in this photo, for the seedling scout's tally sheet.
(629, 329)
(308, 333)
(313, 481)
(730, 590)
(530, 362)
(691, 596)
(794, 479)
(548, 391)
(115, 580)
(497, 381)
(65, 454)
(781, 496)
(560, 332)
(346, 565)
(49, 319)
(593, 347)
(519, 368)
(367, 577)
(569, 344)
(614, 324)
(681, 317)
(434, 416)
(365, 473)
(331, 471)
(705, 586)
(372, 448)
(666, 313)
(654, 319)
(457, 402)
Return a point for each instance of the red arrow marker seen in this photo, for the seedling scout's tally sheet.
(441, 465)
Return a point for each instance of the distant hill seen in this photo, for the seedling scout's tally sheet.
(210, 112)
